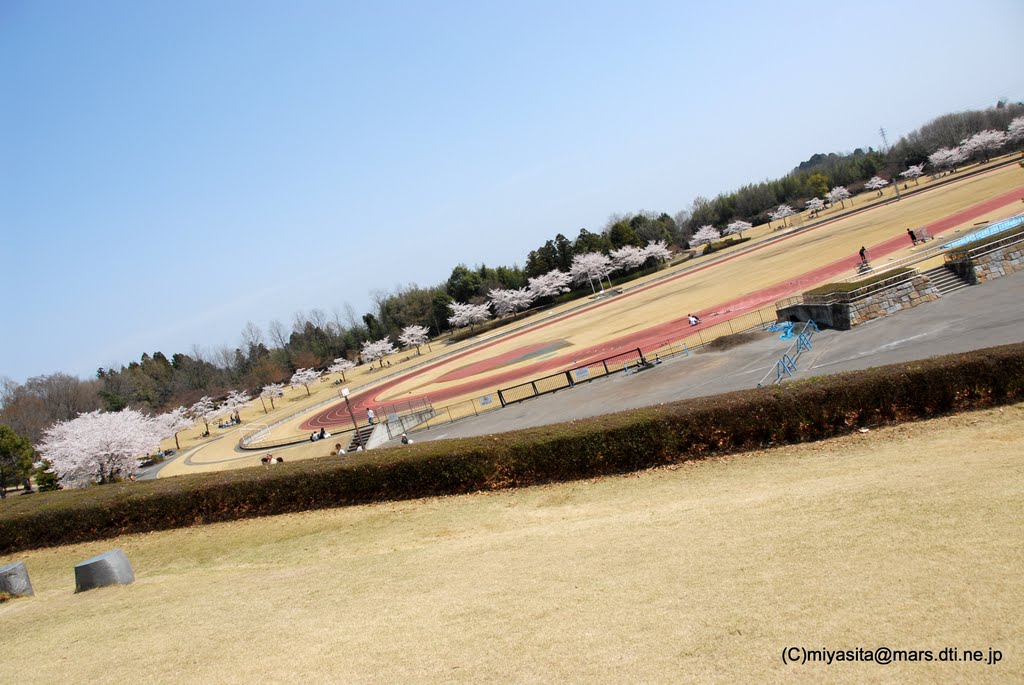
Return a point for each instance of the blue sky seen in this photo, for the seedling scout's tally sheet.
(172, 170)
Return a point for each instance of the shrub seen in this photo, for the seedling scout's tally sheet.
(627, 441)
(722, 244)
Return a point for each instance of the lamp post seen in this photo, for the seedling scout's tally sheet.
(348, 405)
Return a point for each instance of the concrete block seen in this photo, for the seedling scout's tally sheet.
(14, 579)
(109, 568)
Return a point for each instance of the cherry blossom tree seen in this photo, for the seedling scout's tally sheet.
(782, 213)
(628, 257)
(414, 336)
(913, 171)
(173, 422)
(947, 158)
(705, 234)
(378, 349)
(235, 401)
(658, 250)
(510, 301)
(1015, 131)
(203, 410)
(304, 378)
(468, 314)
(550, 284)
(341, 365)
(590, 266)
(814, 205)
(738, 227)
(984, 142)
(876, 183)
(838, 194)
(272, 390)
(99, 447)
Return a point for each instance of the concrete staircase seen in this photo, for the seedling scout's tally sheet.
(945, 279)
(363, 434)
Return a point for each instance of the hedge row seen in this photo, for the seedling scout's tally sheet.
(691, 429)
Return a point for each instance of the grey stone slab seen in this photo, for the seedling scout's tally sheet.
(14, 579)
(109, 568)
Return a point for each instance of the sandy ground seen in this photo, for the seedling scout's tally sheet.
(759, 265)
(907, 538)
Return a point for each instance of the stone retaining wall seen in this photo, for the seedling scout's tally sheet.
(1000, 262)
(843, 316)
(917, 290)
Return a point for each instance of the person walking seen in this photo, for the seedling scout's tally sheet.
(863, 255)
(370, 416)
(913, 236)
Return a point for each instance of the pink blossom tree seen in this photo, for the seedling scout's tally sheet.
(415, 336)
(99, 447)
(781, 214)
(378, 349)
(271, 391)
(814, 205)
(628, 257)
(341, 365)
(510, 301)
(235, 401)
(468, 314)
(947, 158)
(658, 250)
(203, 410)
(591, 266)
(705, 234)
(986, 142)
(838, 194)
(1015, 131)
(550, 284)
(876, 183)
(169, 424)
(913, 171)
(737, 227)
(304, 378)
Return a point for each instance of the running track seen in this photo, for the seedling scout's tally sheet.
(338, 414)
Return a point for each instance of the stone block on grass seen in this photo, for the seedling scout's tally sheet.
(109, 568)
(14, 579)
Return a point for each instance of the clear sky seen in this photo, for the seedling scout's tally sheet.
(171, 170)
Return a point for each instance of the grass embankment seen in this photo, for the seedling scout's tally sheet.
(627, 441)
(830, 288)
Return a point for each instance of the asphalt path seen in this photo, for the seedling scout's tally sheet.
(971, 318)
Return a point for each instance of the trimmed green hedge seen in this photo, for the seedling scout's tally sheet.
(719, 245)
(813, 409)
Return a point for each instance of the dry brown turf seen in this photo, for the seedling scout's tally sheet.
(908, 537)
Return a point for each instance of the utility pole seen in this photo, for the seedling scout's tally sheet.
(885, 140)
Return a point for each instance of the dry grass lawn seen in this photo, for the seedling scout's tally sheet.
(910, 537)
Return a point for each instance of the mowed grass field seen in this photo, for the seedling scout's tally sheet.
(909, 537)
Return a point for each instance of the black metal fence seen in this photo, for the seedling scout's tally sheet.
(567, 379)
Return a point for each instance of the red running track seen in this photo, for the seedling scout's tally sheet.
(337, 414)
